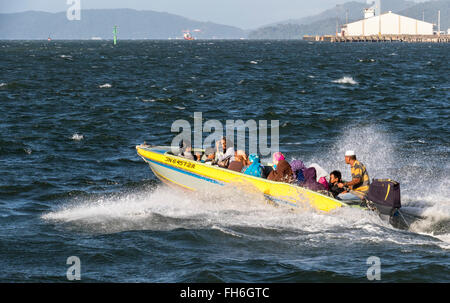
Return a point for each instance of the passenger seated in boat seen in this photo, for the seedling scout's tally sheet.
(224, 153)
(311, 180)
(282, 171)
(359, 186)
(255, 168)
(240, 161)
(321, 175)
(188, 153)
(186, 150)
(198, 156)
(298, 167)
(208, 156)
(335, 179)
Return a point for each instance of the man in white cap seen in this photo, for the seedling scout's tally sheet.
(359, 186)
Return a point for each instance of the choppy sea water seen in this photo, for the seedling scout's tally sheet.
(71, 183)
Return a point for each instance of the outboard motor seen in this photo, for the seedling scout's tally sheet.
(384, 194)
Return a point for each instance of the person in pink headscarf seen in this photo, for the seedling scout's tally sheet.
(282, 171)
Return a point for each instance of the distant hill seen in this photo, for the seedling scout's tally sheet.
(354, 9)
(429, 10)
(132, 24)
(325, 22)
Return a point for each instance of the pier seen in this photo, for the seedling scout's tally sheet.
(381, 38)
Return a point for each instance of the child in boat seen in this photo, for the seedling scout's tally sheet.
(335, 179)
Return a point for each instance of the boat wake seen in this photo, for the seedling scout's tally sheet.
(235, 214)
(425, 190)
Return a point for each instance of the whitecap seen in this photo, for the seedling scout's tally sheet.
(180, 107)
(226, 231)
(3, 84)
(254, 62)
(68, 57)
(366, 60)
(77, 137)
(346, 80)
(106, 85)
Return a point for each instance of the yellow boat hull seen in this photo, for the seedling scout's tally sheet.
(193, 175)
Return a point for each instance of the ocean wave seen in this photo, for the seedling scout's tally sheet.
(366, 60)
(106, 85)
(148, 100)
(346, 80)
(67, 57)
(77, 137)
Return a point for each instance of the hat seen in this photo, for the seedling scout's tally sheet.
(350, 153)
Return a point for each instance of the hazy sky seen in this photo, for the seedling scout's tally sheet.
(246, 14)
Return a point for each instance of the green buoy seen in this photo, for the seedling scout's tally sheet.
(115, 34)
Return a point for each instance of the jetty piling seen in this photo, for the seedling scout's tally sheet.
(381, 38)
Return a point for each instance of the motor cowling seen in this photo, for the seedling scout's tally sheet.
(385, 193)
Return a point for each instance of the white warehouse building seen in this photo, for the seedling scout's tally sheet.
(386, 24)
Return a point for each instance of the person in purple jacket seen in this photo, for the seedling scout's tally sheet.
(310, 180)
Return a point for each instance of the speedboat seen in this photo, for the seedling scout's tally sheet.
(191, 175)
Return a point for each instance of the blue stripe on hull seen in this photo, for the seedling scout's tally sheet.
(186, 172)
(279, 201)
